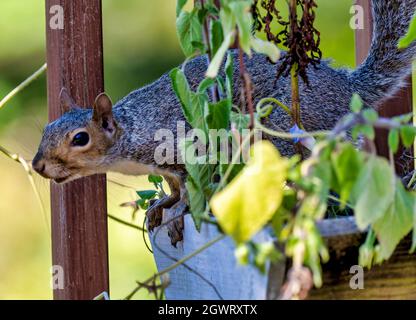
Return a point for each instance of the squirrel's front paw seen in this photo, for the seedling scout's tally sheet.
(155, 212)
(169, 210)
(173, 217)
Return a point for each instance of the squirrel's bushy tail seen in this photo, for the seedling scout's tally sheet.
(383, 72)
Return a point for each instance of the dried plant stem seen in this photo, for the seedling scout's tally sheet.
(27, 167)
(206, 34)
(296, 106)
(247, 87)
(294, 75)
(23, 85)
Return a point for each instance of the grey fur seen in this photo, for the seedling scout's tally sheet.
(141, 113)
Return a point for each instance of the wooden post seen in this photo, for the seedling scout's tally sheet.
(401, 103)
(79, 208)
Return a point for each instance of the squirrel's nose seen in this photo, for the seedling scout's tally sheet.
(38, 165)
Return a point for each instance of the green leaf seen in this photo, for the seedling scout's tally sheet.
(346, 163)
(408, 134)
(197, 201)
(147, 194)
(370, 115)
(368, 131)
(265, 252)
(235, 170)
(199, 101)
(267, 48)
(193, 105)
(197, 167)
(182, 90)
(205, 84)
(242, 13)
(245, 205)
(356, 103)
(315, 203)
(215, 64)
(218, 115)
(355, 132)
(179, 6)
(315, 249)
(189, 31)
(197, 45)
(198, 181)
(373, 192)
(154, 178)
(365, 256)
(410, 36)
(229, 69)
(404, 118)
(240, 120)
(242, 254)
(143, 203)
(396, 222)
(227, 18)
(284, 212)
(378, 254)
(217, 36)
(394, 140)
(412, 250)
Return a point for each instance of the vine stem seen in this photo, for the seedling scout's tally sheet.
(342, 126)
(284, 135)
(265, 113)
(16, 157)
(176, 264)
(295, 78)
(27, 167)
(23, 85)
(293, 71)
(295, 97)
(233, 161)
(128, 224)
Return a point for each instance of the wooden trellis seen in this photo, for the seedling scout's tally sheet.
(79, 209)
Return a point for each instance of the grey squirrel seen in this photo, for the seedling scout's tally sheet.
(121, 138)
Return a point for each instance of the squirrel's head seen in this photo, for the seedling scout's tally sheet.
(76, 144)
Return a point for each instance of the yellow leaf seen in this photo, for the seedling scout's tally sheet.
(250, 200)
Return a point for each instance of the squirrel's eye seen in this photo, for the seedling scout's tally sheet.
(80, 139)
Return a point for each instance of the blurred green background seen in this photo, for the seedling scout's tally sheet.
(139, 45)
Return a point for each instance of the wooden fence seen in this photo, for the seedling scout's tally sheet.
(79, 209)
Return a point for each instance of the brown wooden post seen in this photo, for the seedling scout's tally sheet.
(79, 208)
(402, 102)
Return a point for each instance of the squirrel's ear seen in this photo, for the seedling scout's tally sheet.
(67, 103)
(103, 113)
